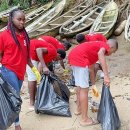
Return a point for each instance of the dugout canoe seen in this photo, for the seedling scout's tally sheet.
(5, 13)
(106, 20)
(48, 16)
(30, 17)
(127, 29)
(52, 27)
(81, 22)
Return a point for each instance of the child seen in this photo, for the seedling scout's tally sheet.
(58, 45)
(14, 53)
(90, 37)
(45, 53)
(81, 58)
(81, 38)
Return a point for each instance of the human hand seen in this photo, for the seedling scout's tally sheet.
(107, 81)
(95, 91)
(46, 70)
(37, 74)
(66, 71)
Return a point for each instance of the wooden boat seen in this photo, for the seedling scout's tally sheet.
(37, 13)
(34, 14)
(4, 18)
(106, 20)
(127, 29)
(6, 12)
(52, 27)
(81, 22)
(45, 18)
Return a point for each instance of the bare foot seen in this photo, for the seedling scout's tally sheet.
(77, 112)
(88, 122)
(31, 108)
(18, 127)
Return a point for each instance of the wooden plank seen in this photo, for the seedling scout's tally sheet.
(91, 19)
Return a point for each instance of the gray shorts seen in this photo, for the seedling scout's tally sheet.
(81, 76)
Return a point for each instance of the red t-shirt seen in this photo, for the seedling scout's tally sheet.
(14, 58)
(49, 57)
(54, 42)
(95, 37)
(86, 54)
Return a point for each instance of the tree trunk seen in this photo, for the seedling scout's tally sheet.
(10, 2)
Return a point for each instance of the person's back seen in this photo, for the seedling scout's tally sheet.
(51, 54)
(90, 37)
(86, 54)
(57, 44)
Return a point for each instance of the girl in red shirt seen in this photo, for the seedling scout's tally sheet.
(14, 53)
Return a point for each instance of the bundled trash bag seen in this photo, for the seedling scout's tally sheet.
(108, 114)
(48, 101)
(71, 81)
(10, 104)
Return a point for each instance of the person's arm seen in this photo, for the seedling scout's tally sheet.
(92, 74)
(1, 55)
(40, 52)
(62, 64)
(30, 63)
(102, 60)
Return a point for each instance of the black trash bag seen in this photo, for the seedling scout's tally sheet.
(71, 81)
(59, 87)
(48, 101)
(10, 104)
(108, 114)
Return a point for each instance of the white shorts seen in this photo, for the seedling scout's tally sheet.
(31, 75)
(81, 76)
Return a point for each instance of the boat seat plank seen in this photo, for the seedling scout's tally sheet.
(104, 27)
(42, 30)
(91, 19)
(67, 16)
(84, 25)
(82, 6)
(66, 29)
(53, 24)
(96, 13)
(36, 14)
(29, 18)
(99, 7)
(74, 11)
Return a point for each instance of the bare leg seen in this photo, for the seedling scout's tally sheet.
(32, 91)
(84, 106)
(78, 110)
(18, 127)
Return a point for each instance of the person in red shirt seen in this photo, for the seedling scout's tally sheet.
(65, 45)
(14, 53)
(81, 58)
(90, 37)
(58, 45)
(45, 53)
(81, 38)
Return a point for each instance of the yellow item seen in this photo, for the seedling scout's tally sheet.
(95, 91)
(66, 71)
(36, 72)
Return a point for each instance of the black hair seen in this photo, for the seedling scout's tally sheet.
(62, 53)
(66, 44)
(80, 38)
(12, 29)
